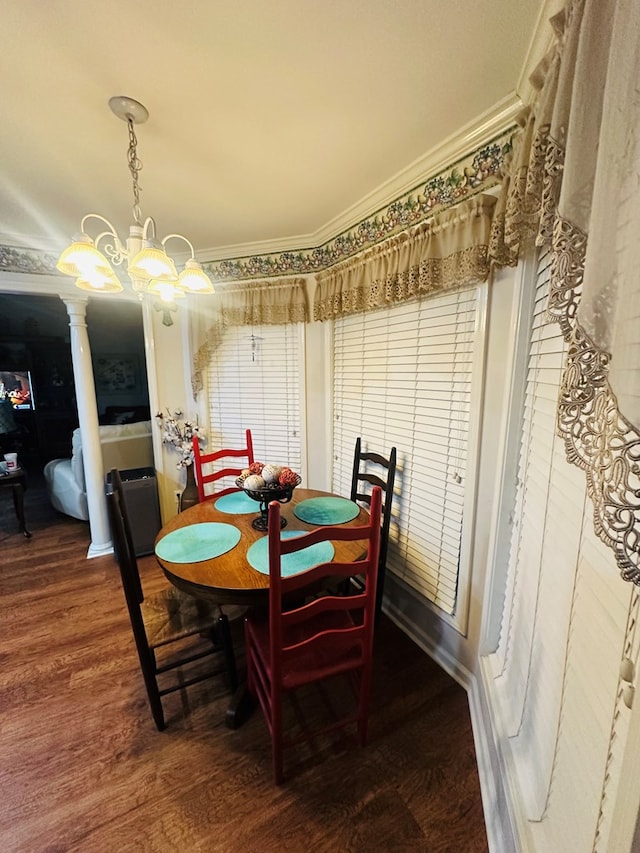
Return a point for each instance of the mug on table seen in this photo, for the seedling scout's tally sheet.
(12, 461)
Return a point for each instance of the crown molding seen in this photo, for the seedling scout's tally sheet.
(542, 41)
(447, 154)
(450, 151)
(478, 172)
(478, 132)
(26, 242)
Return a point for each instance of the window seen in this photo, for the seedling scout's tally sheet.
(406, 376)
(255, 382)
(555, 670)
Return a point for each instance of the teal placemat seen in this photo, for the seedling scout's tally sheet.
(237, 503)
(326, 510)
(258, 555)
(198, 542)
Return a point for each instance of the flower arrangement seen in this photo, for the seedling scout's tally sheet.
(178, 432)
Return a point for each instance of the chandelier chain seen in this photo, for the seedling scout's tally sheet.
(134, 167)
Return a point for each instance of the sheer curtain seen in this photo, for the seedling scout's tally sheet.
(573, 185)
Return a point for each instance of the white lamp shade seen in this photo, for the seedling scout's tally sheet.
(99, 283)
(194, 279)
(152, 263)
(166, 290)
(82, 259)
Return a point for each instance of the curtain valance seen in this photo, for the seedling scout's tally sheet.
(262, 304)
(257, 304)
(573, 186)
(447, 252)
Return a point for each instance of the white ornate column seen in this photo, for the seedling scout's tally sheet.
(88, 419)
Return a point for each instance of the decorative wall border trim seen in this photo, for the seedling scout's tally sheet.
(474, 173)
(29, 261)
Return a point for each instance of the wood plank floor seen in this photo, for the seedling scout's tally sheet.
(82, 767)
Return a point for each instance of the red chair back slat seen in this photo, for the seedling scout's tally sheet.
(205, 476)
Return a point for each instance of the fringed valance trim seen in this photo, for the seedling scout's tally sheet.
(451, 251)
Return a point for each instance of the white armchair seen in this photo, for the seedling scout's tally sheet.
(123, 446)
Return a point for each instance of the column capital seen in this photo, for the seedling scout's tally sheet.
(76, 308)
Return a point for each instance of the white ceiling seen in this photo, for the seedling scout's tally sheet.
(268, 118)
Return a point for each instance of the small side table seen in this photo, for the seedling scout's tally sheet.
(17, 480)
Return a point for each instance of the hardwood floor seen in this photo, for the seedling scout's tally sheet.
(84, 769)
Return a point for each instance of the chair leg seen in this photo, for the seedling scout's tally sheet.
(227, 645)
(249, 664)
(276, 742)
(382, 570)
(278, 773)
(363, 706)
(155, 701)
(148, 666)
(158, 714)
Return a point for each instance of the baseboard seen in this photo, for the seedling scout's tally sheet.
(496, 799)
(450, 665)
(498, 803)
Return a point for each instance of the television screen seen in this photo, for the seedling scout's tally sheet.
(15, 386)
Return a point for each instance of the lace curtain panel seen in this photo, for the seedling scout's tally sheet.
(274, 303)
(573, 185)
(447, 252)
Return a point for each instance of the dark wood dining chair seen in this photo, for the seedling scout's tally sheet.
(169, 618)
(203, 477)
(371, 469)
(300, 644)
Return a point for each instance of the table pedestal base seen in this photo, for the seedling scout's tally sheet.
(240, 707)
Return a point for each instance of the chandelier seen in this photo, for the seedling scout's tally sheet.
(150, 268)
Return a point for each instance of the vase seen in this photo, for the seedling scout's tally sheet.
(189, 496)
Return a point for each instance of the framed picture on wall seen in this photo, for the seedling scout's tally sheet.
(115, 374)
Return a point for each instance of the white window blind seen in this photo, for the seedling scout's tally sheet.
(403, 377)
(254, 382)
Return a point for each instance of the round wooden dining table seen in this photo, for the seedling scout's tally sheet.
(229, 579)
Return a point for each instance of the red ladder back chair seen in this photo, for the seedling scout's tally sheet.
(373, 469)
(184, 627)
(328, 636)
(203, 477)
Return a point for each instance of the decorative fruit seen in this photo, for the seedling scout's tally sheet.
(253, 482)
(288, 477)
(256, 467)
(270, 473)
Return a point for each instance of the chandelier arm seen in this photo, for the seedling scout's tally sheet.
(149, 223)
(181, 237)
(102, 219)
(115, 250)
